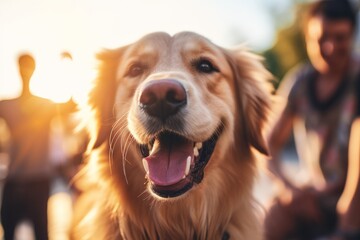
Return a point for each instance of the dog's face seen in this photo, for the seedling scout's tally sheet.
(186, 102)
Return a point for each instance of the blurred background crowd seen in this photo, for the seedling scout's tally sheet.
(63, 36)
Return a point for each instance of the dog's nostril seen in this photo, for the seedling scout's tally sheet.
(162, 98)
(148, 97)
(174, 96)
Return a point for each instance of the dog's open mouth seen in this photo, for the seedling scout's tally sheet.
(174, 164)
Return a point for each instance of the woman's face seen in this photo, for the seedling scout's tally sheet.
(329, 43)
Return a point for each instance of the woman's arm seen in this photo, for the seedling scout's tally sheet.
(349, 204)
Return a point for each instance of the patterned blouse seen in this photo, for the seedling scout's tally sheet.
(322, 128)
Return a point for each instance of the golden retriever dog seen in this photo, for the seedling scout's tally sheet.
(177, 122)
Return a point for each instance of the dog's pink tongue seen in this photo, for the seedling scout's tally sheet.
(167, 163)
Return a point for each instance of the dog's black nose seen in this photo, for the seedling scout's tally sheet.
(162, 98)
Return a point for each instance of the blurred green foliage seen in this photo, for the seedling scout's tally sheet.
(289, 49)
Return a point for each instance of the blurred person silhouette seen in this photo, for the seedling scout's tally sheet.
(27, 185)
(320, 108)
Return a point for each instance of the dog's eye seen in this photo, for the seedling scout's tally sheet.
(136, 70)
(204, 66)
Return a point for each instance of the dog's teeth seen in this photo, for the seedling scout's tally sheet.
(146, 166)
(188, 163)
(196, 152)
(198, 145)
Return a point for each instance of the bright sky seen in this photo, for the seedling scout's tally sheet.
(45, 28)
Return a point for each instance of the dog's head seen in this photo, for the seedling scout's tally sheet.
(184, 102)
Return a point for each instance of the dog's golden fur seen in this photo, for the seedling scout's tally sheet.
(117, 202)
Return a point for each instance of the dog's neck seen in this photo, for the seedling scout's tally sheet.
(145, 235)
(158, 222)
(196, 216)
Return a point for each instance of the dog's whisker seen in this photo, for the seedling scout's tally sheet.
(114, 134)
(129, 140)
(111, 150)
(114, 139)
(118, 126)
(152, 201)
(143, 193)
(120, 134)
(115, 126)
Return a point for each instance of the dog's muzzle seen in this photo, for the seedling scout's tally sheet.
(173, 163)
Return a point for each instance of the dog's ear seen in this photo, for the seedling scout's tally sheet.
(102, 96)
(253, 94)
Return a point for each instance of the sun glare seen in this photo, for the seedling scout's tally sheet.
(61, 79)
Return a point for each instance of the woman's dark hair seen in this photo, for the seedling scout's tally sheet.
(333, 10)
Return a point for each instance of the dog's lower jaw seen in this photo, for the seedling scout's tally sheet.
(157, 191)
